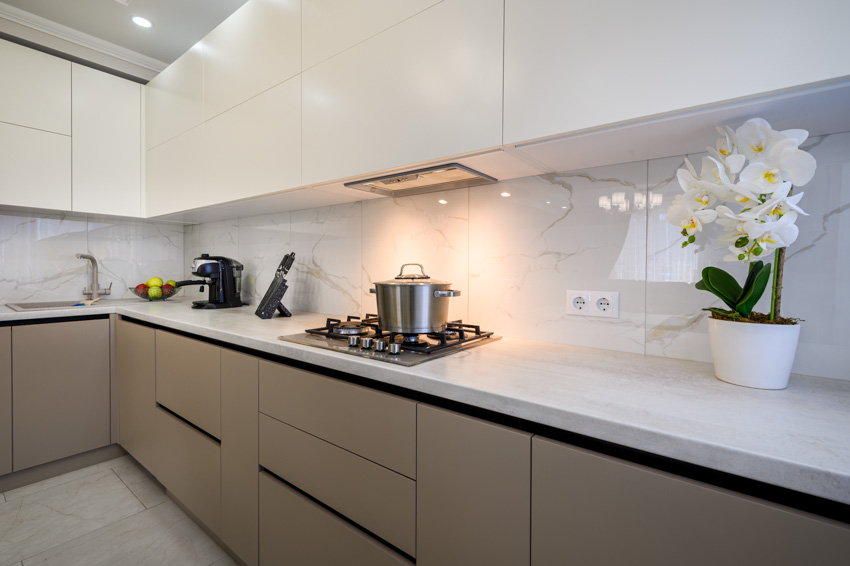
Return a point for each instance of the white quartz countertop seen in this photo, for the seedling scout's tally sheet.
(798, 438)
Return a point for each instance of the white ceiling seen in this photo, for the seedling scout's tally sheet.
(178, 24)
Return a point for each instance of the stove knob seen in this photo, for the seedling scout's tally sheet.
(365, 343)
(380, 345)
(354, 341)
(395, 348)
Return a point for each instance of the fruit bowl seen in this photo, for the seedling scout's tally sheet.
(166, 293)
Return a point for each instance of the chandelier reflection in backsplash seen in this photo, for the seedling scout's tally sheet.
(620, 202)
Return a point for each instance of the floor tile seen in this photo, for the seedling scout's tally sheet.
(64, 478)
(48, 518)
(143, 485)
(161, 536)
(226, 561)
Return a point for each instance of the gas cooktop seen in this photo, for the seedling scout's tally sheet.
(365, 338)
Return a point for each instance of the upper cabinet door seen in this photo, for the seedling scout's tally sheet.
(256, 48)
(175, 174)
(35, 168)
(426, 88)
(36, 90)
(174, 98)
(332, 26)
(106, 145)
(576, 65)
(255, 148)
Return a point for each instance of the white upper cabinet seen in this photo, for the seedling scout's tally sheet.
(428, 87)
(576, 65)
(332, 26)
(174, 98)
(175, 174)
(106, 143)
(36, 89)
(35, 168)
(256, 48)
(255, 148)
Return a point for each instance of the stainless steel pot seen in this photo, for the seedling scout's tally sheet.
(413, 303)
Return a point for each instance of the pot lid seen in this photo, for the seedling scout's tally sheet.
(412, 278)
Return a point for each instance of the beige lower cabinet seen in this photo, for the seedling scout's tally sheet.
(5, 400)
(61, 390)
(593, 509)
(372, 496)
(190, 467)
(188, 380)
(136, 373)
(295, 530)
(473, 491)
(239, 454)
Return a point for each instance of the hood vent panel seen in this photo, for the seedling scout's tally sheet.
(421, 181)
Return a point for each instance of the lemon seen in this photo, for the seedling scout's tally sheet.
(154, 282)
(171, 282)
(155, 292)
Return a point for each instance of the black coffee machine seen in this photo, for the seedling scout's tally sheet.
(224, 277)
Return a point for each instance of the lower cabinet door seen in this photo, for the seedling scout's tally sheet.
(588, 508)
(473, 484)
(295, 530)
(60, 394)
(5, 400)
(239, 454)
(135, 372)
(190, 468)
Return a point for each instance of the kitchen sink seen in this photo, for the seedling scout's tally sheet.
(44, 306)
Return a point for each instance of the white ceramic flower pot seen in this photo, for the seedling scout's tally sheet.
(753, 355)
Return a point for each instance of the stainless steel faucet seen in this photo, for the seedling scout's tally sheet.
(94, 289)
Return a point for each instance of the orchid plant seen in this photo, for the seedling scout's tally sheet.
(753, 169)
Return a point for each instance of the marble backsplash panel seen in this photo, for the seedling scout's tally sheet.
(39, 255)
(513, 258)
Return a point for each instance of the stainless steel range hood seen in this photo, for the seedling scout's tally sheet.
(420, 181)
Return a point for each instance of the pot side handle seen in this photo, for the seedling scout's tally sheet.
(373, 291)
(449, 293)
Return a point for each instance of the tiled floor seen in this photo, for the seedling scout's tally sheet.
(111, 513)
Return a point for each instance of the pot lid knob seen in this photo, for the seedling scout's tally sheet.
(402, 275)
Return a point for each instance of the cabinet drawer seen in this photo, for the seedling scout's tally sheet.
(378, 499)
(190, 468)
(376, 425)
(188, 380)
(295, 530)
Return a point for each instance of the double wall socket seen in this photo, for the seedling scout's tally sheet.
(604, 304)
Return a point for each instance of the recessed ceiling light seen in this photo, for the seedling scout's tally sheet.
(443, 201)
(506, 194)
(142, 22)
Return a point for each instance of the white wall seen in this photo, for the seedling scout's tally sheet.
(514, 257)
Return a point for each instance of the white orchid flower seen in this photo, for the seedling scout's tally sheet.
(755, 137)
(746, 194)
(780, 204)
(773, 235)
(732, 222)
(795, 164)
(689, 220)
(727, 144)
(765, 176)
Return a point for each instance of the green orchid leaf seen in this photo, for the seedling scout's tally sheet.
(748, 301)
(751, 276)
(722, 284)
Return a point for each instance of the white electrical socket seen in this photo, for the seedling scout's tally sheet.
(604, 304)
(578, 303)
